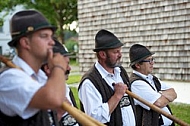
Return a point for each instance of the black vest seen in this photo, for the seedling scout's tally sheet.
(106, 92)
(148, 117)
(40, 119)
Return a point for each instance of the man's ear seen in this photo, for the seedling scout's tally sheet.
(137, 65)
(102, 54)
(24, 42)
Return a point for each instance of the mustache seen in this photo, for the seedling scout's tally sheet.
(67, 72)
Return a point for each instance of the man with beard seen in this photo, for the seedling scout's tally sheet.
(102, 88)
(65, 119)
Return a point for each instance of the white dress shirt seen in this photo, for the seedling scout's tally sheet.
(17, 87)
(92, 99)
(145, 91)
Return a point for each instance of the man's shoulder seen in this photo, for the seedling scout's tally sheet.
(4, 68)
(134, 77)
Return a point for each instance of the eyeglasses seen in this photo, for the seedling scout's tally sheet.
(150, 60)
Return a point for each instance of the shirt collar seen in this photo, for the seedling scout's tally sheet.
(26, 68)
(103, 72)
(149, 76)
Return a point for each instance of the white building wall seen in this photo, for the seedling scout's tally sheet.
(5, 36)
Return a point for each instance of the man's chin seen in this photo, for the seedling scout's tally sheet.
(118, 64)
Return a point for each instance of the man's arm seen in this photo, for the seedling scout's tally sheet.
(166, 96)
(170, 94)
(92, 102)
(52, 94)
(114, 100)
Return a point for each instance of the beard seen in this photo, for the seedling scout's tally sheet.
(112, 64)
(67, 72)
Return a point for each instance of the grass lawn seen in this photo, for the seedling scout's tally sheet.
(181, 111)
(75, 93)
(73, 79)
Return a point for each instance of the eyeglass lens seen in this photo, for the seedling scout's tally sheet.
(150, 60)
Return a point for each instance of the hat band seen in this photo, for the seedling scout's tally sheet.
(31, 29)
(142, 57)
(113, 43)
(109, 45)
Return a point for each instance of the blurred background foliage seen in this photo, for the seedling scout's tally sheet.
(61, 13)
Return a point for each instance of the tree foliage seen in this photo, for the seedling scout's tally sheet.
(58, 12)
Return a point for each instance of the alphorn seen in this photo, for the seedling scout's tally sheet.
(80, 116)
(8, 62)
(157, 109)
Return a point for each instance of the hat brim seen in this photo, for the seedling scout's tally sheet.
(105, 48)
(64, 53)
(138, 60)
(14, 40)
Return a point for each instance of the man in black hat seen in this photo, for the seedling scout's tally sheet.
(149, 87)
(26, 93)
(102, 88)
(65, 118)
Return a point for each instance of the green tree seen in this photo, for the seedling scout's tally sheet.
(59, 12)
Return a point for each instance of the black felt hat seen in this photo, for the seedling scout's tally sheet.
(27, 21)
(59, 48)
(106, 40)
(137, 53)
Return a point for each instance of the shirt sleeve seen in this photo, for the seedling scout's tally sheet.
(164, 86)
(16, 91)
(145, 91)
(92, 102)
